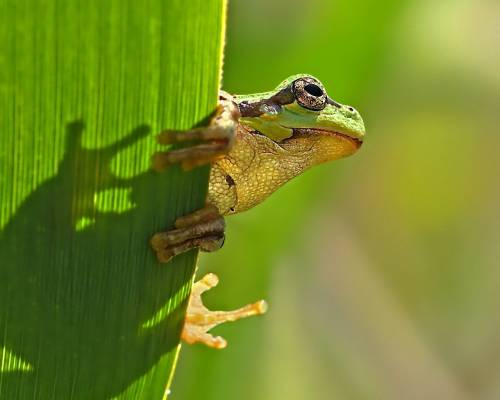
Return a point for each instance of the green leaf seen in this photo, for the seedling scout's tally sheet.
(86, 312)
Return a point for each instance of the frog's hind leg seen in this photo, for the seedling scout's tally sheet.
(199, 319)
(216, 139)
(203, 228)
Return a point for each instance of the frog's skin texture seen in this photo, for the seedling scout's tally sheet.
(255, 144)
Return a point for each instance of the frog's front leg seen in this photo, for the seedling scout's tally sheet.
(204, 229)
(216, 139)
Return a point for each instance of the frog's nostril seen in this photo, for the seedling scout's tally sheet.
(350, 109)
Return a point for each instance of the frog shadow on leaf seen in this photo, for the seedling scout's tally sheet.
(40, 248)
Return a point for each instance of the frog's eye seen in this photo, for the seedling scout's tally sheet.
(313, 90)
(309, 93)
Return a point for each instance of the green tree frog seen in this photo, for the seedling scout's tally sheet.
(254, 143)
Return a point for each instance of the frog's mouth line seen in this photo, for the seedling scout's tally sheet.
(304, 131)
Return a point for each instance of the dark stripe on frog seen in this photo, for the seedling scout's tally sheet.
(333, 102)
(256, 109)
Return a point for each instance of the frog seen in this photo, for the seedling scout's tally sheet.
(254, 144)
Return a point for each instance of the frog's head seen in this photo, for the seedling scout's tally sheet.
(299, 114)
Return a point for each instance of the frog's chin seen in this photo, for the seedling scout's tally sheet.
(320, 145)
(336, 136)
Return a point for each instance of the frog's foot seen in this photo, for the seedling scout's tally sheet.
(203, 228)
(216, 139)
(199, 319)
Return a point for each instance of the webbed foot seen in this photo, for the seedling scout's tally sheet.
(203, 228)
(216, 139)
(199, 319)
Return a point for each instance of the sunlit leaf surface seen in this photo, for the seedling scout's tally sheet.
(86, 312)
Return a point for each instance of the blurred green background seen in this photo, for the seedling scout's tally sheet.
(381, 270)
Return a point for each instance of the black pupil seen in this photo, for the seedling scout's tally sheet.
(313, 90)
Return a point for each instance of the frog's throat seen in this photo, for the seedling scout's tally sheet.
(324, 132)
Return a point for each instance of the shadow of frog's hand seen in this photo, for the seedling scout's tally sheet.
(83, 172)
(94, 165)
